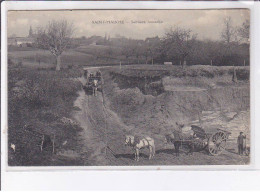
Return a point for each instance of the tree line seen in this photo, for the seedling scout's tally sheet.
(179, 45)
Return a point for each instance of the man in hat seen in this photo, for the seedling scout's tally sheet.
(241, 142)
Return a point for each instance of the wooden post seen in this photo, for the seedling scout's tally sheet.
(145, 84)
(234, 77)
(53, 143)
(184, 63)
(42, 142)
(120, 64)
(211, 62)
(244, 62)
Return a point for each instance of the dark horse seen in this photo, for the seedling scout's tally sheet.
(177, 140)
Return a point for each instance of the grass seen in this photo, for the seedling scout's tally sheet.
(81, 56)
(143, 70)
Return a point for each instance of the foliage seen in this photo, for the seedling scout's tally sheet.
(39, 98)
(55, 37)
(178, 43)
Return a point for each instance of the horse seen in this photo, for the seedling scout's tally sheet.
(138, 144)
(94, 87)
(177, 141)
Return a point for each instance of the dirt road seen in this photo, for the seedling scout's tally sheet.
(101, 127)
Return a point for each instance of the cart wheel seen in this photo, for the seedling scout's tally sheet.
(217, 143)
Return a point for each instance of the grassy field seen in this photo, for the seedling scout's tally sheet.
(81, 56)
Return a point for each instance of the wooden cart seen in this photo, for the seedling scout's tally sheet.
(89, 85)
(213, 139)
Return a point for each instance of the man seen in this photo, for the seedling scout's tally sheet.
(241, 142)
(98, 73)
(86, 74)
(177, 138)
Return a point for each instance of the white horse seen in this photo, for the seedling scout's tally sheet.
(94, 87)
(138, 144)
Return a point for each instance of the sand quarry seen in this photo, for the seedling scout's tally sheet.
(153, 108)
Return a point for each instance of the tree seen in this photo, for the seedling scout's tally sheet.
(229, 36)
(56, 37)
(178, 43)
(229, 33)
(137, 50)
(151, 46)
(243, 31)
(128, 49)
(145, 51)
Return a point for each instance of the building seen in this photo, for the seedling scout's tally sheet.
(22, 41)
(155, 39)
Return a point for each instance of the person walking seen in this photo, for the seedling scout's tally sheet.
(241, 143)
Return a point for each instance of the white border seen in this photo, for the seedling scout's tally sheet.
(64, 175)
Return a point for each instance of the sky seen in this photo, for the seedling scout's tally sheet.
(207, 24)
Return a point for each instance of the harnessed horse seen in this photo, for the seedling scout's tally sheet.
(94, 87)
(136, 144)
(177, 142)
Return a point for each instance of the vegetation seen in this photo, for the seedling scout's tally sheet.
(38, 100)
(55, 37)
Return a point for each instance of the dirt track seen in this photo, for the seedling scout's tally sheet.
(103, 127)
(100, 126)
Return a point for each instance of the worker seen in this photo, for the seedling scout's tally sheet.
(241, 143)
(177, 138)
(98, 73)
(86, 74)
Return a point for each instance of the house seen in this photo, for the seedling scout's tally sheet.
(22, 41)
(155, 39)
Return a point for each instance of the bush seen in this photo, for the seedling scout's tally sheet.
(41, 99)
(242, 74)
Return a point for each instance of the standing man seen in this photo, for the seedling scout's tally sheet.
(241, 142)
(86, 74)
(178, 138)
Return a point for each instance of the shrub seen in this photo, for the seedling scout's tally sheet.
(40, 98)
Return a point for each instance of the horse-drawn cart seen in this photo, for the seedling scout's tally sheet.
(92, 83)
(213, 139)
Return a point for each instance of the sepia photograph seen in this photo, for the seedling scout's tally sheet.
(128, 87)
